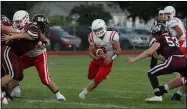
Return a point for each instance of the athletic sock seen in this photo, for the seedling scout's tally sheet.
(166, 87)
(179, 92)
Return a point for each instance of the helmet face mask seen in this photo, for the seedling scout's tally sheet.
(99, 32)
(17, 24)
(169, 12)
(98, 27)
(20, 18)
(159, 29)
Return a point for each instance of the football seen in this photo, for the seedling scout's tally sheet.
(98, 51)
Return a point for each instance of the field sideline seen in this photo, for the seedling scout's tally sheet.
(126, 87)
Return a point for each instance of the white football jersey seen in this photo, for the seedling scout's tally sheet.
(36, 52)
(107, 42)
(172, 23)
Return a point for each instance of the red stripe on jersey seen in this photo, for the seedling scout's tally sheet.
(111, 35)
(91, 37)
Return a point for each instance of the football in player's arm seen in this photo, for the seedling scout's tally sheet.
(99, 53)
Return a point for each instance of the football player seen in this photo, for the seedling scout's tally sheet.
(6, 28)
(168, 47)
(160, 19)
(176, 28)
(36, 57)
(18, 45)
(104, 48)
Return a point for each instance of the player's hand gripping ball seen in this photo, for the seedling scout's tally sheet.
(100, 53)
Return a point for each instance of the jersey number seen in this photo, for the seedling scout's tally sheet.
(40, 19)
(172, 41)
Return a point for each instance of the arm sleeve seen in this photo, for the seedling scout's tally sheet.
(33, 31)
(173, 23)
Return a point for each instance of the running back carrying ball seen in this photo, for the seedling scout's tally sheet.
(99, 52)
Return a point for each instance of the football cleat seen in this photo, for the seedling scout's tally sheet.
(16, 92)
(176, 97)
(154, 99)
(4, 100)
(82, 96)
(61, 98)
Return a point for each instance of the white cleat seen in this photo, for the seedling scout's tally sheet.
(61, 98)
(154, 99)
(16, 93)
(82, 96)
(4, 100)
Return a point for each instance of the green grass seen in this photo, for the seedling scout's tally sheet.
(126, 87)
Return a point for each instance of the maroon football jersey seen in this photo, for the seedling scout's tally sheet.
(22, 46)
(168, 45)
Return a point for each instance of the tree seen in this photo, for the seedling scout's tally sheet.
(87, 13)
(149, 9)
(8, 8)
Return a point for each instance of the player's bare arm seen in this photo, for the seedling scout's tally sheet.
(91, 52)
(116, 46)
(9, 29)
(146, 53)
(17, 36)
(179, 31)
(44, 41)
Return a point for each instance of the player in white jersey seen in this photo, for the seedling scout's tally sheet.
(104, 48)
(36, 57)
(176, 28)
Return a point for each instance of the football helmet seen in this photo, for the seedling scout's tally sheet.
(4, 19)
(99, 27)
(169, 12)
(41, 21)
(158, 29)
(20, 18)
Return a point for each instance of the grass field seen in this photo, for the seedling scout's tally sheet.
(126, 87)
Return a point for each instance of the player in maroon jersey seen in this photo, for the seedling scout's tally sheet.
(168, 47)
(6, 28)
(36, 57)
(22, 43)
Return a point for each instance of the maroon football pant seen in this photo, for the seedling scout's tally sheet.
(11, 63)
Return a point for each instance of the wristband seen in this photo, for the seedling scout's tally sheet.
(114, 56)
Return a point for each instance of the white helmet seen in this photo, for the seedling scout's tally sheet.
(169, 12)
(20, 18)
(99, 27)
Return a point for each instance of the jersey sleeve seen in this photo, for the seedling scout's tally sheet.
(114, 36)
(33, 31)
(91, 39)
(158, 39)
(151, 41)
(173, 23)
